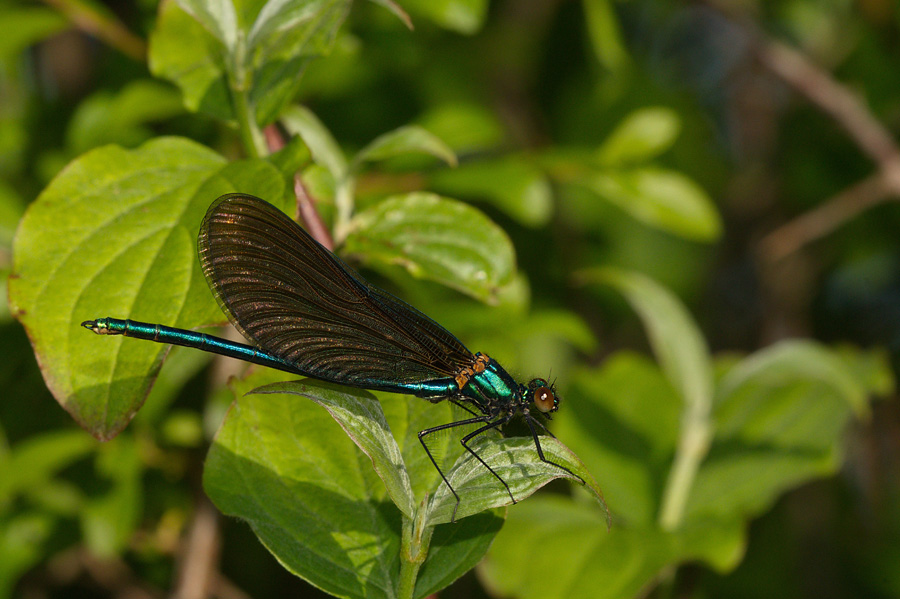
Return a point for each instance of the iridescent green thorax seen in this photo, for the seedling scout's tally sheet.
(490, 386)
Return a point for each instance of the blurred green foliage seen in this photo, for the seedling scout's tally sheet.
(584, 189)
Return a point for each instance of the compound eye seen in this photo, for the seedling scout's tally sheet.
(544, 400)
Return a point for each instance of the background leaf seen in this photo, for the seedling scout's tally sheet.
(511, 184)
(661, 198)
(403, 141)
(641, 136)
(418, 231)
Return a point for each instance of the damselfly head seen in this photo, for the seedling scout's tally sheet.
(543, 395)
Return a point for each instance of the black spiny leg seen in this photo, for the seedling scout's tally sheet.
(537, 444)
(434, 429)
(484, 429)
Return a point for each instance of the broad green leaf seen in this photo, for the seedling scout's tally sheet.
(409, 416)
(511, 184)
(660, 198)
(463, 16)
(791, 360)
(778, 422)
(281, 463)
(644, 134)
(404, 140)
(437, 239)
(218, 17)
(325, 150)
(24, 26)
(605, 33)
(119, 118)
(517, 462)
(589, 562)
(871, 367)
(115, 235)
(360, 415)
(780, 415)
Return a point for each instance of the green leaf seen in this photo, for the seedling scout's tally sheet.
(360, 415)
(299, 120)
(282, 464)
(464, 126)
(625, 559)
(684, 357)
(281, 16)
(511, 184)
(675, 337)
(660, 198)
(185, 52)
(791, 360)
(115, 234)
(218, 17)
(780, 415)
(517, 462)
(871, 367)
(456, 549)
(622, 420)
(436, 239)
(280, 57)
(778, 422)
(463, 16)
(405, 140)
(644, 134)
(605, 33)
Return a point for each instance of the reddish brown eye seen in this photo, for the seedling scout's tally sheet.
(544, 400)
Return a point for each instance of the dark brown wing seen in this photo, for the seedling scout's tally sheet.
(293, 298)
